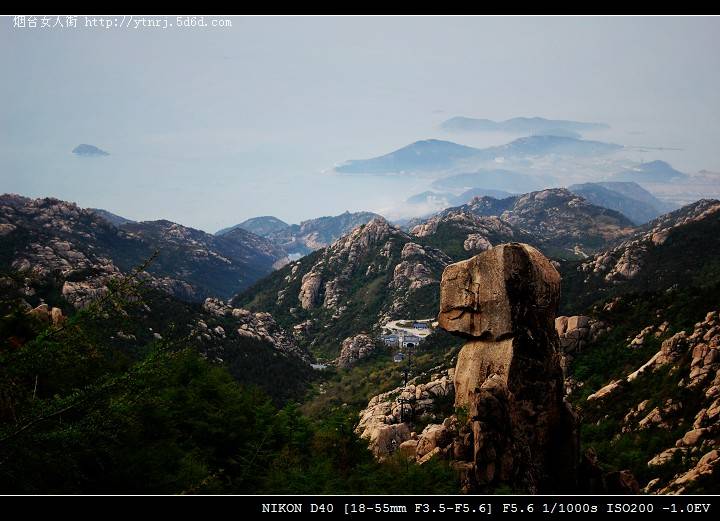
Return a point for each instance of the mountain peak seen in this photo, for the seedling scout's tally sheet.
(424, 155)
(263, 225)
(657, 171)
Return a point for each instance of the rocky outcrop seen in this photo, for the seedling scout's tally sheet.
(355, 348)
(81, 294)
(412, 271)
(48, 315)
(575, 333)
(626, 261)
(476, 242)
(309, 290)
(553, 219)
(508, 377)
(691, 406)
(328, 277)
(259, 326)
(707, 469)
(497, 294)
(57, 243)
(387, 420)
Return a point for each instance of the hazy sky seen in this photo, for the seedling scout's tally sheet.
(208, 127)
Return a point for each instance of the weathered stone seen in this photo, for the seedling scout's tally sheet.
(477, 361)
(355, 348)
(408, 448)
(706, 468)
(430, 455)
(56, 316)
(578, 321)
(605, 391)
(385, 439)
(499, 293)
(476, 242)
(258, 326)
(692, 437)
(41, 312)
(309, 290)
(432, 436)
(509, 377)
(665, 456)
(561, 325)
(384, 409)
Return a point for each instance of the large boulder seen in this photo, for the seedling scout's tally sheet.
(355, 348)
(508, 376)
(432, 437)
(309, 290)
(386, 439)
(477, 361)
(499, 293)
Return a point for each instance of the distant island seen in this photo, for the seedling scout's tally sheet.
(652, 172)
(531, 126)
(434, 155)
(425, 155)
(89, 151)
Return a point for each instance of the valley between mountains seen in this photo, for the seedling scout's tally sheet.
(325, 356)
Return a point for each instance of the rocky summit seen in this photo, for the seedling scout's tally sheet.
(81, 251)
(556, 221)
(371, 275)
(519, 431)
(306, 237)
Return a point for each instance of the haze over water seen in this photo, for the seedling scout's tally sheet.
(208, 127)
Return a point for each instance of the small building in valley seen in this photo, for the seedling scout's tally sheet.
(409, 341)
(390, 340)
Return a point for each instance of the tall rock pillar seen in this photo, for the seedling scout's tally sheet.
(508, 378)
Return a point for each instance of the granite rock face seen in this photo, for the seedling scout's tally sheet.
(519, 431)
(355, 348)
(255, 325)
(499, 293)
(387, 417)
(690, 462)
(80, 250)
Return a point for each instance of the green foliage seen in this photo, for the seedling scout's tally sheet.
(689, 259)
(81, 412)
(331, 459)
(367, 294)
(377, 374)
(610, 358)
(450, 239)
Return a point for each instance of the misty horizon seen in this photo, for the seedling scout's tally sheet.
(208, 128)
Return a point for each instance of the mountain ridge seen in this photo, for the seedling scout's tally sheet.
(439, 155)
(628, 198)
(53, 236)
